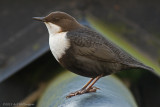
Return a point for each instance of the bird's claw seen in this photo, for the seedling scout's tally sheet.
(74, 94)
(82, 91)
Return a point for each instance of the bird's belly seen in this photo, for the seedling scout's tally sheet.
(85, 67)
(58, 44)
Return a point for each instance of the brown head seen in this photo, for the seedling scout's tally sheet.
(59, 21)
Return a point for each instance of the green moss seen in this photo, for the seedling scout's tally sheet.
(159, 57)
(124, 44)
(118, 27)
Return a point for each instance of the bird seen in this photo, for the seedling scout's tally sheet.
(84, 51)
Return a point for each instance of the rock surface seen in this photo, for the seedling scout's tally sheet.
(112, 93)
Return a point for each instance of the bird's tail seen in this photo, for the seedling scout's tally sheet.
(147, 68)
(142, 66)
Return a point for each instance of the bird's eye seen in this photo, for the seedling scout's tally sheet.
(55, 19)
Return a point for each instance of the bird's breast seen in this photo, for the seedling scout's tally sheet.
(58, 44)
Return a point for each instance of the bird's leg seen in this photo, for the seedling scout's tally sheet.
(90, 87)
(79, 91)
(85, 89)
(85, 86)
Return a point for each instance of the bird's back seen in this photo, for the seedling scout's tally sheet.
(89, 38)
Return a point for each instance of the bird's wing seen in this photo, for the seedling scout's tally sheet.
(92, 45)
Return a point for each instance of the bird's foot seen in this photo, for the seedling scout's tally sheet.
(82, 91)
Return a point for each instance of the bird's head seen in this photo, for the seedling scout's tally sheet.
(59, 22)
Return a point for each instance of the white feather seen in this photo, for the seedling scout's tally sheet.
(58, 41)
(52, 28)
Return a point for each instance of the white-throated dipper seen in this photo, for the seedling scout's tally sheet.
(84, 51)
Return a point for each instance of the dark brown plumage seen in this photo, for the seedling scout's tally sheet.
(87, 52)
(89, 46)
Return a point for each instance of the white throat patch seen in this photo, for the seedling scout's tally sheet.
(58, 41)
(52, 28)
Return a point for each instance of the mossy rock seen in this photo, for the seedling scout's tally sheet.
(112, 93)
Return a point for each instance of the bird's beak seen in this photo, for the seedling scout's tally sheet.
(39, 18)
